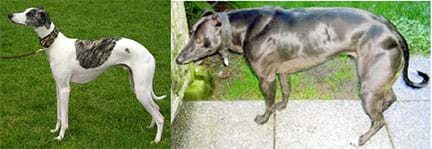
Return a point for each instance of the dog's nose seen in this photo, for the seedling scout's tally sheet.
(178, 61)
(10, 16)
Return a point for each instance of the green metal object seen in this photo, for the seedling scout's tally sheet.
(201, 86)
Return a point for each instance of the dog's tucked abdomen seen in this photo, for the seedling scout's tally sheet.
(93, 53)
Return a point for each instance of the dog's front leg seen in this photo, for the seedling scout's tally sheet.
(64, 91)
(285, 85)
(57, 127)
(268, 87)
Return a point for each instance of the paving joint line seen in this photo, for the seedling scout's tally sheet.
(274, 130)
(389, 135)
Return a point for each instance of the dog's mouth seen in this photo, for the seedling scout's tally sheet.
(181, 61)
(21, 24)
(195, 59)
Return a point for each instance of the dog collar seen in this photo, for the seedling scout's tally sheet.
(49, 39)
(226, 31)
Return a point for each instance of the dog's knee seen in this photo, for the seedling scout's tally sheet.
(160, 121)
(64, 126)
(65, 90)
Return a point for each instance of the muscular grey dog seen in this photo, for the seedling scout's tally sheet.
(81, 61)
(279, 42)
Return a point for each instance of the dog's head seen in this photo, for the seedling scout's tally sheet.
(206, 40)
(33, 17)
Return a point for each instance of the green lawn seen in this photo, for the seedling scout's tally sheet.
(337, 78)
(103, 113)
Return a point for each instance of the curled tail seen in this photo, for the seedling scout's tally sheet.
(405, 51)
(157, 97)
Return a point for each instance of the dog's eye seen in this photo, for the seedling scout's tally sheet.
(206, 43)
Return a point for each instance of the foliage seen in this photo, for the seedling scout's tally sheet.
(416, 34)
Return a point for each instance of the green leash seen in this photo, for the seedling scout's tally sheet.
(22, 55)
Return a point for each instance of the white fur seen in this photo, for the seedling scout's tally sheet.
(66, 68)
(20, 18)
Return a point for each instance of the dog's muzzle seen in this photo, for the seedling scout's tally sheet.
(179, 60)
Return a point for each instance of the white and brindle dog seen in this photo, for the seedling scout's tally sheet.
(80, 61)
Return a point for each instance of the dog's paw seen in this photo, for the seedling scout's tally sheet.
(280, 105)
(59, 138)
(54, 130)
(150, 126)
(354, 142)
(362, 140)
(154, 142)
(261, 119)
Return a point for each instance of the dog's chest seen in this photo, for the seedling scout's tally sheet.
(85, 75)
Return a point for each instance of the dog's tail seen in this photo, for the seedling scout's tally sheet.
(157, 97)
(405, 51)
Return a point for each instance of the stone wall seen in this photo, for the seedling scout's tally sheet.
(180, 74)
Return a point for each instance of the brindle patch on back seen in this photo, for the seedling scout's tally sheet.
(93, 53)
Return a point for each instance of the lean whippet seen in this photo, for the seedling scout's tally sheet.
(80, 61)
(278, 42)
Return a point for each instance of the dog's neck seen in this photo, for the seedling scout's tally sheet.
(47, 36)
(42, 31)
(226, 31)
(237, 30)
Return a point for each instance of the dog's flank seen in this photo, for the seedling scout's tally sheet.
(71, 59)
(93, 53)
(279, 42)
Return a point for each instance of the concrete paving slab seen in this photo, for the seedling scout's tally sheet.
(304, 124)
(221, 125)
(405, 93)
(325, 124)
(409, 124)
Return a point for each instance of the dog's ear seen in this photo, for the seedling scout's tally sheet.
(217, 20)
(206, 13)
(44, 16)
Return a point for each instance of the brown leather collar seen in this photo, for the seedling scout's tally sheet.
(49, 39)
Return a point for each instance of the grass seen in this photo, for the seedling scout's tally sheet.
(103, 113)
(337, 78)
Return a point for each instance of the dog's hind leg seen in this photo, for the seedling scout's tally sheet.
(153, 122)
(131, 81)
(377, 71)
(284, 82)
(143, 79)
(390, 98)
(268, 87)
(372, 104)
